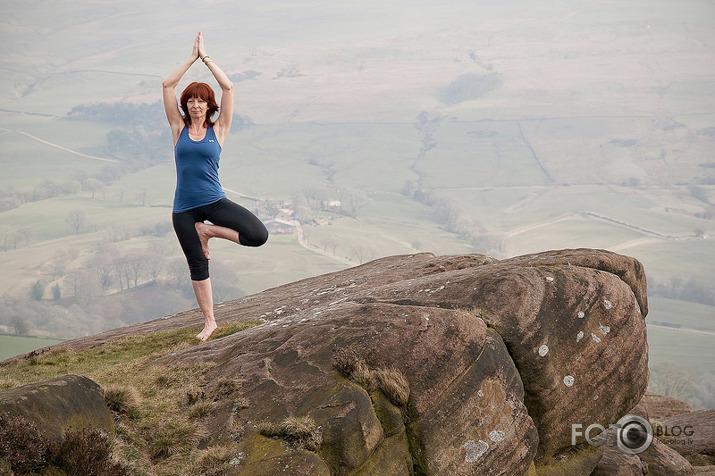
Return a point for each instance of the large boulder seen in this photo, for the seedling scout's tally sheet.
(659, 406)
(386, 385)
(55, 406)
(567, 327)
(661, 460)
(690, 434)
(429, 365)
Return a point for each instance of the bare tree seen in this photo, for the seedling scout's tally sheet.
(75, 218)
(93, 185)
(19, 325)
(87, 288)
(135, 262)
(669, 378)
(179, 271)
(101, 264)
(25, 234)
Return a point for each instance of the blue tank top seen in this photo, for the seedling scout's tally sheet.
(197, 181)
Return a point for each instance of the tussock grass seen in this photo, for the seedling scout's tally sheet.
(223, 388)
(123, 400)
(301, 432)
(391, 381)
(175, 436)
(395, 385)
(232, 328)
(217, 460)
(201, 410)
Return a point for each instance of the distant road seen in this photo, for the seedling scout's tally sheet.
(681, 329)
(52, 144)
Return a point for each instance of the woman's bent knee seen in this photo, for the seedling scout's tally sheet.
(256, 239)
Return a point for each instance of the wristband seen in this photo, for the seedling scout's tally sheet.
(204, 58)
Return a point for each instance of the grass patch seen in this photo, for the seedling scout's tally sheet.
(160, 406)
(233, 328)
(300, 432)
(391, 381)
(693, 352)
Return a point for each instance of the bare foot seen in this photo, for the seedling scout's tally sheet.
(204, 335)
(203, 237)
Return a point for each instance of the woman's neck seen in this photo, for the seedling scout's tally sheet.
(197, 125)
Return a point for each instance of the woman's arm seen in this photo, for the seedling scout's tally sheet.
(223, 123)
(171, 107)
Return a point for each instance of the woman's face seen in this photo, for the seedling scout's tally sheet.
(197, 107)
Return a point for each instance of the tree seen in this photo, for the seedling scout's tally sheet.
(86, 288)
(75, 218)
(25, 234)
(37, 290)
(101, 264)
(136, 266)
(154, 263)
(352, 201)
(19, 325)
(93, 185)
(669, 378)
(178, 270)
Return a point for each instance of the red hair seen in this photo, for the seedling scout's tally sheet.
(202, 91)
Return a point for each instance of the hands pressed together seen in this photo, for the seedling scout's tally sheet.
(199, 52)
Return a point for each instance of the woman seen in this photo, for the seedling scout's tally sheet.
(198, 198)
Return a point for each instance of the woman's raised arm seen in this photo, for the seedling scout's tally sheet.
(223, 123)
(171, 107)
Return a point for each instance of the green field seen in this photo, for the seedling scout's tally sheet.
(10, 346)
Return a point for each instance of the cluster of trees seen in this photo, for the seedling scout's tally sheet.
(112, 288)
(140, 132)
(347, 202)
(669, 378)
(470, 86)
(690, 290)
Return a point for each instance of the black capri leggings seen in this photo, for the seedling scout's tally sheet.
(251, 232)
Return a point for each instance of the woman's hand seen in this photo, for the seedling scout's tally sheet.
(195, 54)
(199, 45)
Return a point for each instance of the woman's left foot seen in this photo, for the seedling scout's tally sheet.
(204, 335)
(203, 237)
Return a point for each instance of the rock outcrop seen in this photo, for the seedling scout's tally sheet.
(689, 433)
(659, 406)
(56, 406)
(422, 364)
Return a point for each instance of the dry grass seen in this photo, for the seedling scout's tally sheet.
(391, 381)
(202, 409)
(300, 432)
(175, 436)
(395, 386)
(217, 460)
(123, 400)
(223, 388)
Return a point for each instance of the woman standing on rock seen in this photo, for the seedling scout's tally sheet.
(199, 198)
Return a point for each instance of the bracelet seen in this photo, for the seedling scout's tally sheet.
(204, 58)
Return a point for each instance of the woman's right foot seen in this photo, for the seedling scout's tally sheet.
(203, 237)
